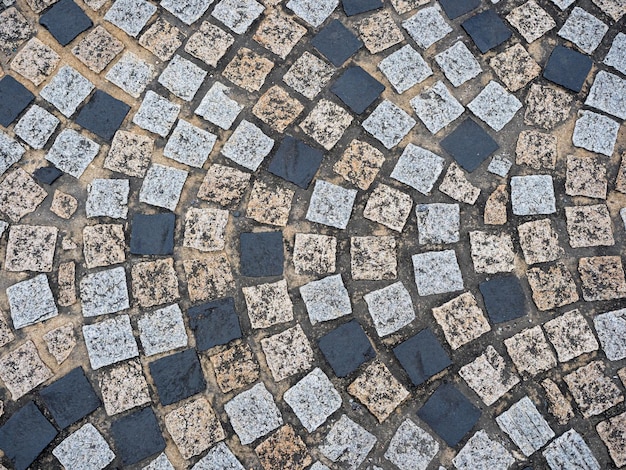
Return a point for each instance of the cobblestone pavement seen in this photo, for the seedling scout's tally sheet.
(312, 234)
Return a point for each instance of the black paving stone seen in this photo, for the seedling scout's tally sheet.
(357, 89)
(137, 436)
(70, 398)
(47, 174)
(449, 413)
(214, 323)
(354, 7)
(504, 298)
(422, 356)
(25, 435)
(178, 376)
(296, 162)
(14, 98)
(469, 144)
(152, 234)
(103, 115)
(336, 42)
(346, 348)
(567, 68)
(487, 30)
(456, 8)
(65, 20)
(261, 254)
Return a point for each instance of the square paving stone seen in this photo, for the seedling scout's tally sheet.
(204, 229)
(326, 123)
(595, 132)
(456, 8)
(107, 198)
(531, 21)
(235, 367)
(182, 77)
(110, 341)
(436, 107)
(61, 341)
(162, 330)
(123, 387)
(132, 75)
(19, 194)
(177, 376)
(219, 456)
(314, 253)
(458, 64)
(152, 234)
(495, 106)
(515, 67)
(22, 370)
(346, 348)
(268, 304)
(488, 376)
(336, 42)
(25, 435)
(224, 186)
(360, 164)
(277, 109)
(611, 329)
(405, 68)
(418, 168)
(504, 298)
(389, 124)
(47, 174)
(30, 248)
(130, 154)
(571, 335)
(331, 204)
(613, 434)
(287, 353)
(526, 427)
(125, 432)
(546, 106)
(248, 70)
(14, 98)
(487, 30)
(469, 144)
(84, 449)
(214, 323)
(31, 301)
(65, 20)
(308, 75)
(238, 15)
(378, 390)
(355, 78)
(103, 115)
(539, 241)
(355, 7)
(461, 320)
(602, 278)
(586, 176)
(194, 427)
(536, 149)
(483, 453)
(611, 8)
(373, 258)
(411, 448)
(156, 114)
(437, 223)
(567, 68)
(347, 443)
(155, 282)
(456, 185)
(326, 299)
(492, 253)
(279, 33)
(422, 356)
(103, 245)
(98, 49)
(67, 90)
(189, 11)
(389, 207)
(253, 414)
(532, 195)
(437, 272)
(570, 449)
(530, 352)
(589, 226)
(218, 107)
(552, 286)
(72, 152)
(296, 162)
(248, 146)
(593, 389)
(70, 398)
(313, 12)
(162, 39)
(15, 30)
(607, 94)
(584, 30)
(130, 15)
(313, 399)
(163, 186)
(208, 278)
(449, 413)
(391, 308)
(261, 254)
(36, 127)
(558, 405)
(616, 57)
(427, 27)
(283, 449)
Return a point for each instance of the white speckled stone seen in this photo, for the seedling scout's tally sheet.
(405, 68)
(437, 223)
(347, 443)
(238, 15)
(436, 107)
(104, 292)
(595, 132)
(67, 90)
(72, 152)
(389, 124)
(495, 106)
(611, 329)
(525, 426)
(247, 146)
(182, 77)
(107, 198)
(189, 144)
(218, 108)
(500, 165)
(532, 195)
(84, 449)
(608, 94)
(411, 448)
(483, 453)
(131, 74)
(110, 341)
(418, 168)
(458, 64)
(10, 152)
(331, 204)
(36, 127)
(584, 30)
(570, 451)
(437, 272)
(162, 186)
(391, 308)
(313, 12)
(130, 15)
(156, 114)
(427, 27)
(188, 11)
(616, 56)
(162, 330)
(31, 301)
(160, 463)
(326, 299)
(220, 457)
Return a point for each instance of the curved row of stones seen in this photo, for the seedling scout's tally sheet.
(271, 235)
